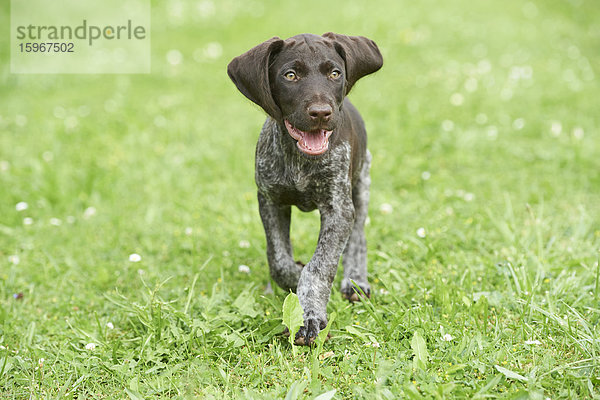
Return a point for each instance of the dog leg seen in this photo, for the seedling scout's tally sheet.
(355, 253)
(276, 221)
(314, 286)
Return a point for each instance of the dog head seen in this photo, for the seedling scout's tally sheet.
(301, 82)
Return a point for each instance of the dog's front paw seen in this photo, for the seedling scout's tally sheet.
(308, 333)
(353, 294)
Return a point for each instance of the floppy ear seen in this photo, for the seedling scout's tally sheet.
(250, 73)
(361, 55)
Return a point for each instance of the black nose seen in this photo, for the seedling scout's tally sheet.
(320, 112)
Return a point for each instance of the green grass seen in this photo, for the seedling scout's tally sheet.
(484, 126)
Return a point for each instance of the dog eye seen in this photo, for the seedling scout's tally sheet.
(290, 76)
(335, 74)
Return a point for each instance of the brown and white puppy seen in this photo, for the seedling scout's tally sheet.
(311, 153)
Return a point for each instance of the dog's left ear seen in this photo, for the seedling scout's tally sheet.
(250, 73)
(361, 55)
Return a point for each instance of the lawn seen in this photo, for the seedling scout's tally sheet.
(483, 237)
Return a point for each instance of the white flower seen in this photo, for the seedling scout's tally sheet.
(135, 257)
(481, 118)
(244, 269)
(174, 57)
(213, 50)
(386, 208)
(471, 84)
(536, 342)
(21, 206)
(189, 231)
(518, 124)
(469, 196)
(90, 346)
(27, 221)
(48, 156)
(372, 344)
(556, 128)
(14, 259)
(244, 244)
(447, 337)
(426, 175)
(447, 125)
(421, 232)
(89, 212)
(55, 221)
(457, 99)
(110, 325)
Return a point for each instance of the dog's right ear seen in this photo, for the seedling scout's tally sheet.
(250, 73)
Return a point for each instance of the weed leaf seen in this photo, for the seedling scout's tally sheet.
(419, 348)
(297, 387)
(510, 374)
(327, 395)
(292, 315)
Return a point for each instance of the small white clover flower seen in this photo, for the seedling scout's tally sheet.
(21, 206)
(556, 128)
(244, 269)
(174, 57)
(244, 244)
(14, 259)
(386, 208)
(55, 221)
(578, 133)
(188, 231)
(89, 212)
(536, 342)
(447, 337)
(447, 125)
(48, 156)
(457, 99)
(135, 257)
(426, 175)
(90, 346)
(421, 232)
(27, 221)
(110, 325)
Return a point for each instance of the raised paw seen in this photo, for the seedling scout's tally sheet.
(308, 333)
(352, 294)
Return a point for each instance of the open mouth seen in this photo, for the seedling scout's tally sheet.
(313, 143)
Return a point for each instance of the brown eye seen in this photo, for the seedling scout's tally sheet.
(290, 76)
(335, 74)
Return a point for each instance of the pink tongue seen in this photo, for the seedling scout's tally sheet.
(314, 140)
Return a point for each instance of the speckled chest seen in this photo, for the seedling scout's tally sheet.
(287, 178)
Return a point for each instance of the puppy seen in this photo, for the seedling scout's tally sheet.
(312, 154)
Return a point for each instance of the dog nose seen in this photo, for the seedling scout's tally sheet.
(320, 112)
